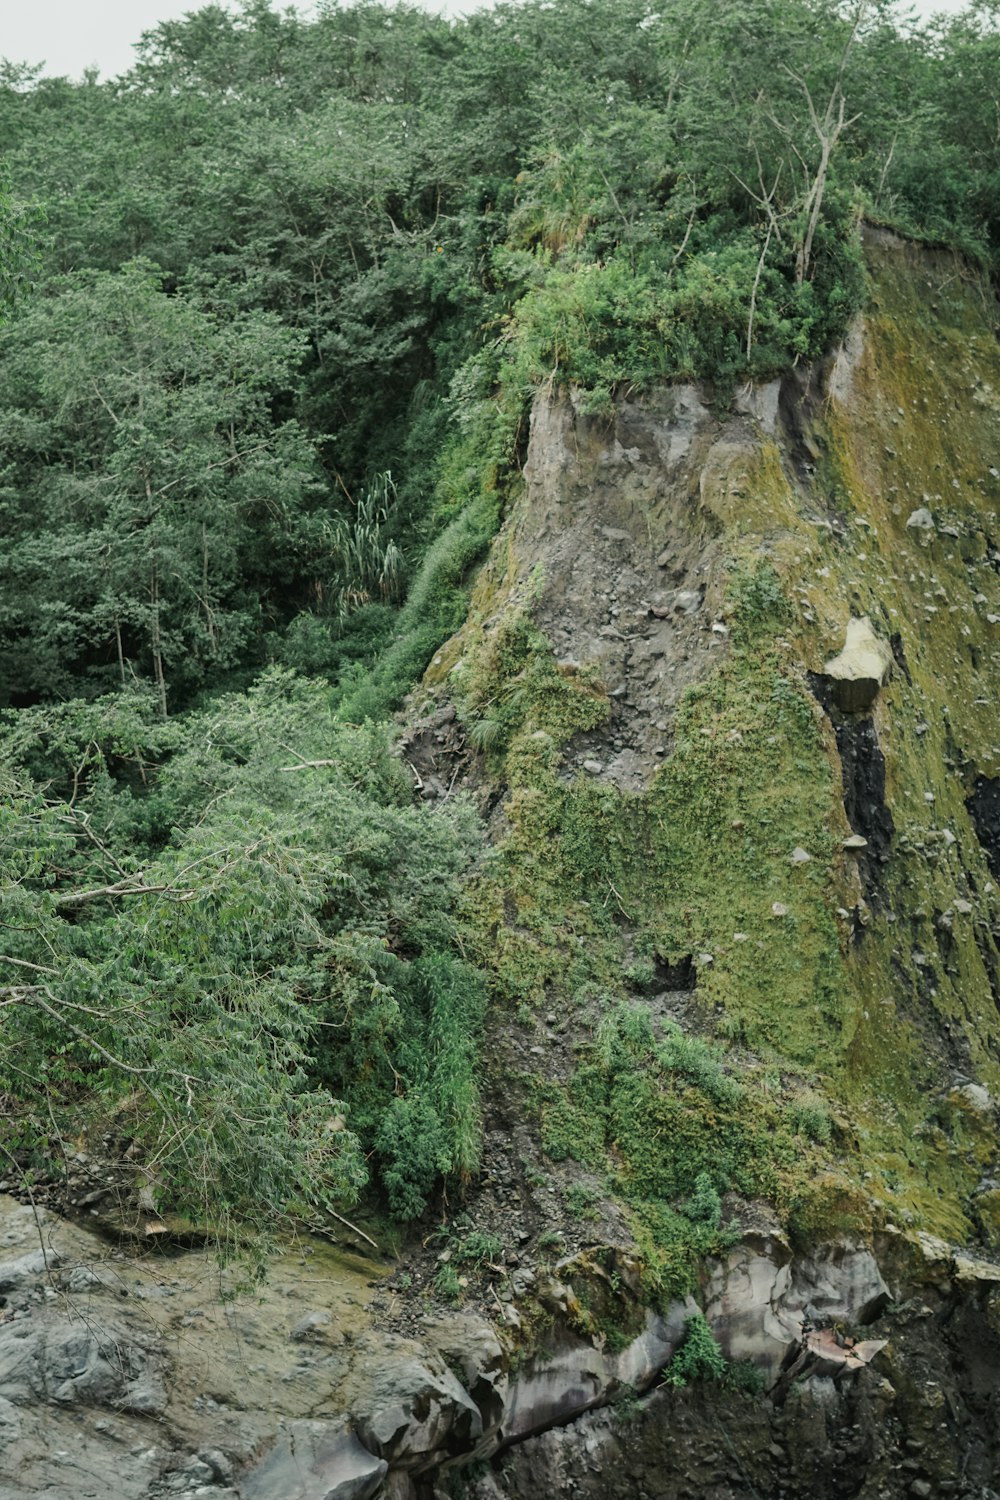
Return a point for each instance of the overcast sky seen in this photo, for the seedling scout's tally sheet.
(70, 35)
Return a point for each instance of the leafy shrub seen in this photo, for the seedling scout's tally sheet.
(411, 1140)
(581, 1201)
(810, 1117)
(435, 607)
(213, 935)
(704, 1205)
(478, 1245)
(699, 1357)
(624, 1035)
(570, 1130)
(364, 562)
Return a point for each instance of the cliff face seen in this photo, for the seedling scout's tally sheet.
(720, 828)
(646, 671)
(726, 696)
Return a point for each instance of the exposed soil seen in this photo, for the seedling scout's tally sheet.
(984, 809)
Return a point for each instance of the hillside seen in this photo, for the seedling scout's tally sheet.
(728, 1077)
(500, 845)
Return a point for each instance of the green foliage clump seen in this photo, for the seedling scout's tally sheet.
(759, 604)
(412, 1143)
(638, 317)
(701, 1062)
(447, 1284)
(570, 1130)
(581, 1201)
(478, 1245)
(434, 608)
(699, 1357)
(433, 1130)
(809, 1116)
(365, 561)
(699, 1360)
(704, 1205)
(147, 480)
(676, 1130)
(204, 922)
(510, 687)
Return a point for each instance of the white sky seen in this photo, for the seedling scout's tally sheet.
(70, 35)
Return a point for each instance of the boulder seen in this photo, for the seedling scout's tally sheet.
(825, 1355)
(469, 1345)
(555, 1388)
(643, 1359)
(314, 1327)
(856, 674)
(575, 1376)
(414, 1412)
(315, 1460)
(760, 1303)
(920, 520)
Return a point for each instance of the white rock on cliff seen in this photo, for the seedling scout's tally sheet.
(860, 669)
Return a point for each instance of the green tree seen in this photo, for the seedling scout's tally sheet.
(205, 922)
(150, 497)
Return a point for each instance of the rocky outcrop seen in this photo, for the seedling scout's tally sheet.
(125, 1376)
(860, 669)
(313, 1460)
(615, 550)
(762, 1301)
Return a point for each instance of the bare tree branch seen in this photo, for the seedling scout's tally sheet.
(125, 887)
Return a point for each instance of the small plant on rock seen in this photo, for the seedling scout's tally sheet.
(699, 1357)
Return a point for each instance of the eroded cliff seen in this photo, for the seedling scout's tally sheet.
(742, 908)
(679, 791)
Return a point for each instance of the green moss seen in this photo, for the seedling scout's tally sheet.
(569, 1130)
(602, 1305)
(914, 433)
(758, 602)
(518, 703)
(675, 1130)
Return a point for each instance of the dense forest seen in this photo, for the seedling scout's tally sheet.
(277, 303)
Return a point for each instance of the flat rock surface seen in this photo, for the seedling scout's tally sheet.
(118, 1371)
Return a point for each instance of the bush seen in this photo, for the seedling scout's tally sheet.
(704, 1205)
(214, 937)
(413, 1144)
(810, 1117)
(699, 1357)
